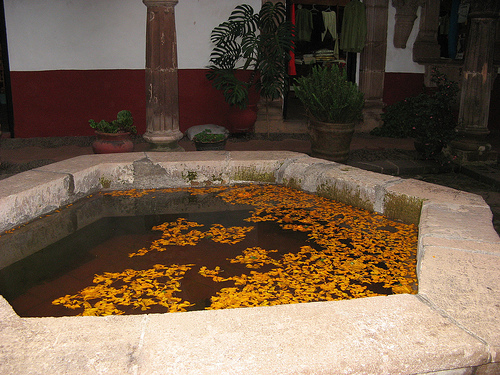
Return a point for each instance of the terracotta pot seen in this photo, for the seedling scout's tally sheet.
(242, 120)
(428, 150)
(108, 143)
(331, 141)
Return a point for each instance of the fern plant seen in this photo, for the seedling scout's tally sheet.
(328, 96)
(259, 42)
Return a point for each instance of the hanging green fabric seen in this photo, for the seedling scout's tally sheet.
(354, 28)
(303, 24)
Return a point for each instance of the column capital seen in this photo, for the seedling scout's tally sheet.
(484, 9)
(160, 3)
(406, 14)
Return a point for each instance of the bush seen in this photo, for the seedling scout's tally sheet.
(328, 96)
(429, 118)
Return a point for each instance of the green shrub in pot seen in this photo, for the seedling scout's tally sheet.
(328, 96)
(124, 123)
(114, 136)
(334, 105)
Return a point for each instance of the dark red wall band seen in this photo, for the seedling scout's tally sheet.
(60, 102)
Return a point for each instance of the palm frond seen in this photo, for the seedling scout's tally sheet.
(244, 16)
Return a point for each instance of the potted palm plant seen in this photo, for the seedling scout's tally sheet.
(334, 106)
(254, 43)
(114, 136)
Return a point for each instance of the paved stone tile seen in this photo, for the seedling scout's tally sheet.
(435, 193)
(472, 246)
(77, 345)
(36, 193)
(395, 335)
(465, 287)
(467, 222)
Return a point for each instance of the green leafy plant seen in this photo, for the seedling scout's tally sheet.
(124, 123)
(429, 118)
(328, 96)
(259, 42)
(206, 136)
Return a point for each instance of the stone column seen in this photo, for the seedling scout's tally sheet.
(477, 81)
(426, 45)
(372, 63)
(162, 94)
(406, 14)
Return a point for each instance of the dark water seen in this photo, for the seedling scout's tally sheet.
(68, 265)
(97, 234)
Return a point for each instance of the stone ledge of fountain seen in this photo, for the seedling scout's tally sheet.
(452, 326)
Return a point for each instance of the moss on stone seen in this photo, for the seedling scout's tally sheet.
(217, 179)
(190, 176)
(403, 207)
(293, 183)
(105, 182)
(252, 174)
(344, 195)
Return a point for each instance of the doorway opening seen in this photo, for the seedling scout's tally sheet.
(6, 111)
(318, 26)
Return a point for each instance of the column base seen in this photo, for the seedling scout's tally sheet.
(466, 152)
(165, 147)
(164, 141)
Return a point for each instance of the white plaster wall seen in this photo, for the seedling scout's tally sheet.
(75, 34)
(400, 60)
(104, 34)
(195, 19)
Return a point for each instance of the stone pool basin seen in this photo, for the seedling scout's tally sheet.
(452, 326)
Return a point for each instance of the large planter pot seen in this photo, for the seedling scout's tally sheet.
(330, 141)
(108, 143)
(242, 120)
(428, 150)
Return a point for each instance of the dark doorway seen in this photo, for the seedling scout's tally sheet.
(321, 47)
(6, 112)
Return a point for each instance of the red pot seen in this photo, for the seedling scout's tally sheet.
(242, 120)
(108, 143)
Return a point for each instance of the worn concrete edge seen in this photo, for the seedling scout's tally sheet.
(289, 168)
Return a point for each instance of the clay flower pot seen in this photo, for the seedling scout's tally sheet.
(331, 141)
(108, 143)
(242, 120)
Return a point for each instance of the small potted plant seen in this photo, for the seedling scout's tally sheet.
(334, 106)
(114, 136)
(207, 140)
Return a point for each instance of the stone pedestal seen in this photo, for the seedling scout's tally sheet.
(162, 94)
(478, 74)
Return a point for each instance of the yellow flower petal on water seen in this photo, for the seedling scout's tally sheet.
(351, 250)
